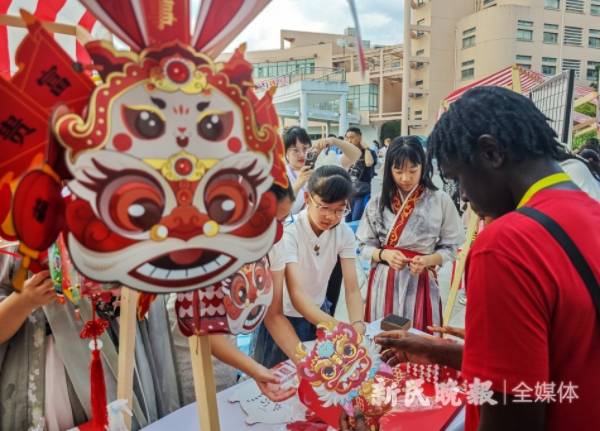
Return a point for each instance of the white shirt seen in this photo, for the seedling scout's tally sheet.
(299, 246)
(277, 257)
(582, 177)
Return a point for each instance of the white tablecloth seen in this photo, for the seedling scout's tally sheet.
(232, 418)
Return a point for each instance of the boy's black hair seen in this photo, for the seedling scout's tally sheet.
(281, 193)
(401, 149)
(354, 130)
(520, 129)
(330, 183)
(295, 133)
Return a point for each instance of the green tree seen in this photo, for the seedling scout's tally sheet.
(390, 129)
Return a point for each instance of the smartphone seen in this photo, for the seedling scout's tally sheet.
(392, 322)
(311, 159)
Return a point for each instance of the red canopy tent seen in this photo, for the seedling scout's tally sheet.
(514, 77)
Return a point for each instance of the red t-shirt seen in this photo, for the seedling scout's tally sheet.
(530, 319)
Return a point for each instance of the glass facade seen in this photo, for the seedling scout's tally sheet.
(280, 68)
(363, 98)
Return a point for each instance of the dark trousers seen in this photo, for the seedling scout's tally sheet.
(334, 286)
(268, 353)
(357, 206)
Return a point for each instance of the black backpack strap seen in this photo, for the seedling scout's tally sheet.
(577, 259)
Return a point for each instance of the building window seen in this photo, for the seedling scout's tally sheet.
(594, 39)
(487, 3)
(524, 61)
(467, 74)
(551, 33)
(552, 4)
(420, 52)
(280, 68)
(573, 36)
(549, 66)
(468, 38)
(363, 97)
(525, 31)
(595, 7)
(574, 6)
(468, 70)
(419, 83)
(571, 65)
(592, 70)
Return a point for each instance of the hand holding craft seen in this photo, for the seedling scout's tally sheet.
(358, 419)
(38, 290)
(403, 346)
(270, 386)
(395, 259)
(418, 264)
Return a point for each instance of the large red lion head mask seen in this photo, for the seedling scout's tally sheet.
(169, 160)
(172, 167)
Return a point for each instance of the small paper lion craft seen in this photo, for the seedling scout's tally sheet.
(169, 160)
(343, 371)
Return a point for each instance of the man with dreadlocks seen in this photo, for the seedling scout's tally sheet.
(532, 320)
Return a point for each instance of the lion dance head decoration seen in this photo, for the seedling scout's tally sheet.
(168, 161)
(339, 372)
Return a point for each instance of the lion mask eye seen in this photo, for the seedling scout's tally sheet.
(143, 122)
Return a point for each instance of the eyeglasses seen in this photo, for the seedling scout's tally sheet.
(325, 210)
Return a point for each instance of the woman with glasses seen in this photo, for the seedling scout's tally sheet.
(310, 247)
(407, 231)
(297, 146)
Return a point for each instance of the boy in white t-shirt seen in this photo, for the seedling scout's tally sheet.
(309, 250)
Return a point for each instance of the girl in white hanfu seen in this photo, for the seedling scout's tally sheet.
(407, 231)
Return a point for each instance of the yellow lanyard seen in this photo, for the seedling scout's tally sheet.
(543, 183)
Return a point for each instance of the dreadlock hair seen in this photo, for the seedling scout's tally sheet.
(518, 126)
(402, 149)
(331, 183)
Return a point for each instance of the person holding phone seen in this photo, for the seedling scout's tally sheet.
(361, 172)
(301, 155)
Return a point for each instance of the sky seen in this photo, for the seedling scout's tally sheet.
(380, 21)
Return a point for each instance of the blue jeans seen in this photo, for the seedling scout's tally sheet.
(268, 353)
(357, 205)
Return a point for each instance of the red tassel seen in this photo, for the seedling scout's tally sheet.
(98, 392)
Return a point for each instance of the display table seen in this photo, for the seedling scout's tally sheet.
(232, 417)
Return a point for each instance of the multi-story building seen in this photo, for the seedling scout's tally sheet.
(453, 43)
(320, 86)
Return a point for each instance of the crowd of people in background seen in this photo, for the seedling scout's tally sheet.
(405, 232)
